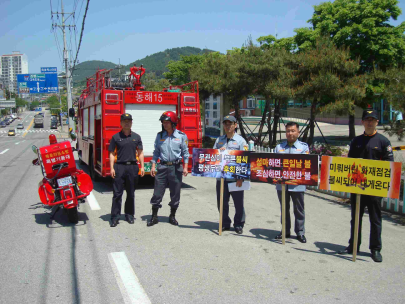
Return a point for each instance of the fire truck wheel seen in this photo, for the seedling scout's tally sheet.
(73, 215)
(93, 173)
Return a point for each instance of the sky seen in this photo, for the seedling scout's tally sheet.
(127, 30)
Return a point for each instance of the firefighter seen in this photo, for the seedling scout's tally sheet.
(125, 171)
(369, 145)
(231, 141)
(171, 146)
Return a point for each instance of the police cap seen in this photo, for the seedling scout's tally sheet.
(126, 116)
(229, 118)
(369, 113)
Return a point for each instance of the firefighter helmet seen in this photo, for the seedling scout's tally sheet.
(170, 116)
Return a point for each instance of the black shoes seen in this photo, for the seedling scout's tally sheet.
(280, 236)
(226, 228)
(376, 256)
(238, 229)
(153, 220)
(347, 250)
(129, 219)
(114, 222)
(172, 220)
(302, 238)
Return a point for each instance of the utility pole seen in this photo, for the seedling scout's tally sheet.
(66, 60)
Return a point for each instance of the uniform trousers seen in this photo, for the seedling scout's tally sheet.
(373, 204)
(237, 196)
(167, 175)
(299, 211)
(126, 177)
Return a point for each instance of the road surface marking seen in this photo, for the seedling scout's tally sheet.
(4, 151)
(17, 143)
(29, 127)
(131, 289)
(91, 199)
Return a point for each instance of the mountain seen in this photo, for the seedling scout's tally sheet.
(155, 63)
(89, 68)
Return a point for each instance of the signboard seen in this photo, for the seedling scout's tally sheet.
(290, 169)
(221, 164)
(361, 176)
(37, 83)
(150, 97)
(49, 70)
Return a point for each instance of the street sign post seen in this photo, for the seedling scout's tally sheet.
(38, 83)
(49, 70)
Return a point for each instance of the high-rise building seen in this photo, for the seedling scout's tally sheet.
(10, 66)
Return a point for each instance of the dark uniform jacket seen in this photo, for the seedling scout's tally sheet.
(376, 147)
(126, 146)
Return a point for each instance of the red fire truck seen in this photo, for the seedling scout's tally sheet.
(104, 100)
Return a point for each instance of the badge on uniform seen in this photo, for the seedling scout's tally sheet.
(162, 139)
(246, 147)
(389, 149)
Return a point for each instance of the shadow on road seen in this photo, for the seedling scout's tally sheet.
(59, 218)
(333, 249)
(206, 225)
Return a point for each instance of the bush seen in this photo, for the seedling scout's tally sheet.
(328, 150)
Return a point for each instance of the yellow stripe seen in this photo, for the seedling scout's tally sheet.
(29, 127)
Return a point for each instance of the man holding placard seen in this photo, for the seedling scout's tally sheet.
(370, 145)
(231, 141)
(296, 193)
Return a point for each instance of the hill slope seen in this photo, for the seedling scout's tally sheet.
(155, 63)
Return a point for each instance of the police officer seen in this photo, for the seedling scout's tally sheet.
(296, 193)
(125, 171)
(369, 145)
(231, 141)
(171, 145)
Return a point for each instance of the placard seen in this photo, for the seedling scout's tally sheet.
(290, 169)
(221, 164)
(361, 176)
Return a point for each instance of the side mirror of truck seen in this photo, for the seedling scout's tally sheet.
(34, 149)
(71, 112)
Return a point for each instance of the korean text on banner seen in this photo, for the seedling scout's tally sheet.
(361, 176)
(221, 164)
(290, 169)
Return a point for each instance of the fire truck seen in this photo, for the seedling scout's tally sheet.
(105, 99)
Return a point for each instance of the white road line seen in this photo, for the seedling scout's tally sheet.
(131, 289)
(4, 151)
(17, 143)
(91, 199)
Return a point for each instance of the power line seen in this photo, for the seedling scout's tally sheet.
(81, 35)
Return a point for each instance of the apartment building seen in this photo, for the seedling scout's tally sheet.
(10, 66)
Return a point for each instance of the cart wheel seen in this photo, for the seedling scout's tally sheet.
(73, 215)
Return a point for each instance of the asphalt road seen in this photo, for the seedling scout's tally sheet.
(53, 261)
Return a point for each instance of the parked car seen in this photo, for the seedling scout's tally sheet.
(11, 132)
(8, 121)
(54, 124)
(3, 124)
(20, 126)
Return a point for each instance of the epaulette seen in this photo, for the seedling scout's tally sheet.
(181, 132)
(304, 143)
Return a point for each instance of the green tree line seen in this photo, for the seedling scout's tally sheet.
(349, 56)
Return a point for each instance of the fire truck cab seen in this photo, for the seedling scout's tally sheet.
(103, 101)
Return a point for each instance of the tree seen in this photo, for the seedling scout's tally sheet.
(362, 26)
(219, 73)
(323, 75)
(179, 71)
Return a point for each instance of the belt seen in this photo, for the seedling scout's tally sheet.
(170, 163)
(128, 163)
